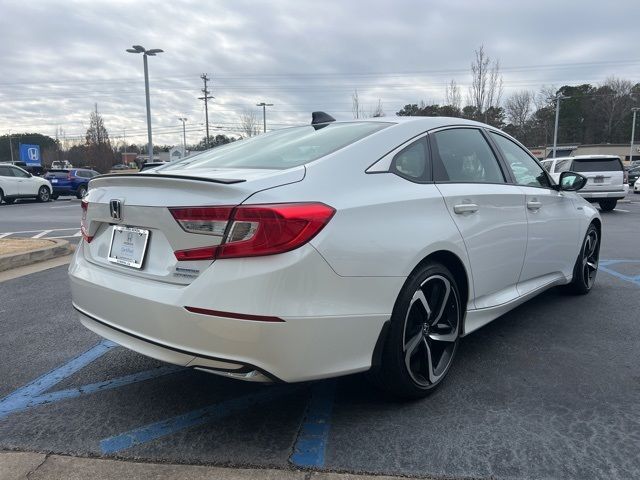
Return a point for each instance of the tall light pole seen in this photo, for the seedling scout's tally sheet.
(11, 146)
(633, 133)
(184, 135)
(147, 53)
(264, 113)
(555, 130)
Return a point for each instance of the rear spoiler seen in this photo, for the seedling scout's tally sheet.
(226, 181)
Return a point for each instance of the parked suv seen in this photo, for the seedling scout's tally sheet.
(70, 181)
(17, 183)
(606, 179)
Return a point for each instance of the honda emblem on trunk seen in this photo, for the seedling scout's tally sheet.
(115, 209)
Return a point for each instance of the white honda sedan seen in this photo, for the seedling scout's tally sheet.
(329, 249)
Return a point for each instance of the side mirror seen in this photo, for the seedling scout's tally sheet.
(571, 181)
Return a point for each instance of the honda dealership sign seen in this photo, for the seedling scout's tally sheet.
(30, 154)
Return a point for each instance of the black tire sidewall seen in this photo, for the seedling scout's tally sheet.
(578, 283)
(81, 189)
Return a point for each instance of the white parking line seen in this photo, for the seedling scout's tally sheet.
(41, 234)
(2, 235)
(36, 231)
(620, 210)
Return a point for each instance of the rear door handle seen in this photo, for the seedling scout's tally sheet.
(465, 208)
(534, 205)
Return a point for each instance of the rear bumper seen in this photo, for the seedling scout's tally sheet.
(596, 195)
(331, 323)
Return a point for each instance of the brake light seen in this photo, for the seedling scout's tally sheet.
(625, 177)
(84, 228)
(69, 176)
(253, 230)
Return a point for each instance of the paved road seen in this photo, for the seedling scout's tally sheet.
(550, 390)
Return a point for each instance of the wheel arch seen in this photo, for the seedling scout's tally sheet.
(454, 263)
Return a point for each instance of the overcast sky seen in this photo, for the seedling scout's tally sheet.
(59, 58)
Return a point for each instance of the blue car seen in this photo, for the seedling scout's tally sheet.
(71, 181)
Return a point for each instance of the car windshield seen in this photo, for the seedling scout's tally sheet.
(596, 165)
(281, 149)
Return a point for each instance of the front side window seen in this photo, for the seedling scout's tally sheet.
(525, 169)
(464, 156)
(281, 149)
(413, 162)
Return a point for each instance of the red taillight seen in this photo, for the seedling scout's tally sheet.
(625, 177)
(84, 229)
(253, 230)
(69, 176)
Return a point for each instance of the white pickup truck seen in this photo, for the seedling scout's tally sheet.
(606, 179)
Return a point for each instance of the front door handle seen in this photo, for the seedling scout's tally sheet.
(534, 205)
(465, 208)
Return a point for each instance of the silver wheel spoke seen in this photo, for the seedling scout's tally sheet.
(410, 348)
(430, 373)
(419, 297)
(445, 297)
(444, 337)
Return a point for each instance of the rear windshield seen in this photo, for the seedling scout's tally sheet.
(596, 165)
(281, 149)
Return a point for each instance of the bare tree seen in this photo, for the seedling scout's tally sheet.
(378, 111)
(452, 95)
(249, 124)
(614, 100)
(486, 82)
(518, 108)
(356, 108)
(545, 96)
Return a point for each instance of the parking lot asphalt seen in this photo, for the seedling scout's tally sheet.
(549, 390)
(31, 219)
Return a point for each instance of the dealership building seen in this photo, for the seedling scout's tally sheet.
(618, 149)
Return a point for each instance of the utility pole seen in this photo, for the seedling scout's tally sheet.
(555, 130)
(264, 113)
(184, 135)
(11, 146)
(206, 97)
(633, 132)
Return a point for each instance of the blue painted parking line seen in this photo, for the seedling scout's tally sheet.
(309, 450)
(19, 399)
(605, 265)
(57, 396)
(190, 419)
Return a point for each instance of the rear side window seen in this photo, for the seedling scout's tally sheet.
(463, 155)
(596, 165)
(19, 173)
(563, 165)
(6, 171)
(281, 149)
(412, 162)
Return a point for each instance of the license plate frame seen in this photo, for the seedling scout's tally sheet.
(136, 258)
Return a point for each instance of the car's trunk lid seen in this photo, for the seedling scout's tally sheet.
(142, 202)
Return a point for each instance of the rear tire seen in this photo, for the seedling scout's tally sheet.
(81, 192)
(608, 204)
(9, 201)
(424, 333)
(586, 267)
(44, 195)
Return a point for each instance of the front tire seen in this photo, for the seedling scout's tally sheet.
(608, 204)
(425, 330)
(586, 267)
(44, 195)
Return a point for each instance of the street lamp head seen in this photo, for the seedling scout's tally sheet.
(138, 48)
(131, 50)
(153, 51)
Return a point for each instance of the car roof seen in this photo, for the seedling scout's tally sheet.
(428, 122)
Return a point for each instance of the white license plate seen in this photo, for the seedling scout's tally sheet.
(598, 179)
(128, 246)
(54, 180)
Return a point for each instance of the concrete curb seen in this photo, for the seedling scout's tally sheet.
(59, 248)
(39, 466)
